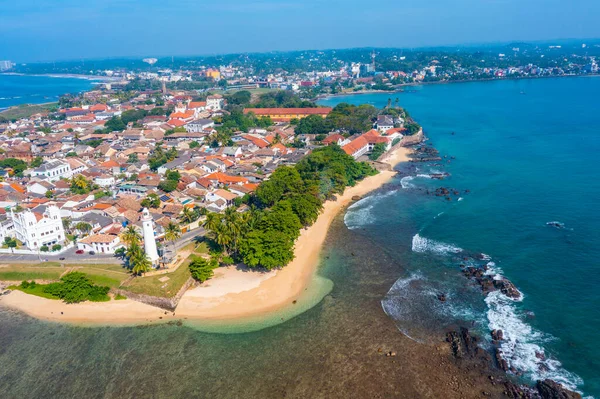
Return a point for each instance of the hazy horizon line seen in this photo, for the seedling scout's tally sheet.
(441, 46)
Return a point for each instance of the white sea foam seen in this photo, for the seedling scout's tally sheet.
(422, 245)
(406, 182)
(360, 213)
(522, 344)
(394, 303)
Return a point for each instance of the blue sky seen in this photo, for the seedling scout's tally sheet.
(46, 30)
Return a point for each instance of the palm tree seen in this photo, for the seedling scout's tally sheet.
(188, 216)
(137, 260)
(83, 227)
(233, 226)
(140, 264)
(131, 235)
(212, 221)
(66, 222)
(172, 232)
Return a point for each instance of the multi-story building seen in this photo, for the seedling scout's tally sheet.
(6, 65)
(36, 229)
(53, 170)
(215, 102)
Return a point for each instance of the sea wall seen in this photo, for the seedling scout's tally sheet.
(411, 140)
(159, 302)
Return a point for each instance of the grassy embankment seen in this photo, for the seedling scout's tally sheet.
(157, 285)
(110, 275)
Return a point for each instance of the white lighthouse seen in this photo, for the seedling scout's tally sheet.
(149, 240)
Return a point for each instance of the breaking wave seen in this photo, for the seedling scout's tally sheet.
(360, 213)
(423, 245)
(522, 345)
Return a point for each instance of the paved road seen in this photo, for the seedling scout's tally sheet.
(71, 257)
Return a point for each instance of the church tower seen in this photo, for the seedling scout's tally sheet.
(149, 240)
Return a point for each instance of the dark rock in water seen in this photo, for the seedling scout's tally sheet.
(502, 364)
(507, 288)
(497, 335)
(549, 389)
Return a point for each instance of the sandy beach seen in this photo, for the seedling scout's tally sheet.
(233, 293)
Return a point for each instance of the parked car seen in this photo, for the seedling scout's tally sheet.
(61, 258)
(92, 253)
(79, 251)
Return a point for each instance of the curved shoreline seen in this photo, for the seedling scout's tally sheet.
(233, 295)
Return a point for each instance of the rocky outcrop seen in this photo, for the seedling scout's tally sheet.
(462, 343)
(489, 283)
(549, 389)
(497, 335)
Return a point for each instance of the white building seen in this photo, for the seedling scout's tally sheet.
(36, 230)
(100, 243)
(149, 238)
(53, 170)
(104, 180)
(198, 125)
(215, 102)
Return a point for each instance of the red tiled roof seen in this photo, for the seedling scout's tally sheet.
(289, 111)
(355, 145)
(175, 122)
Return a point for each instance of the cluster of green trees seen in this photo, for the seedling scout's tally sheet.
(412, 128)
(171, 181)
(344, 117)
(236, 120)
(282, 99)
(239, 98)
(191, 215)
(10, 242)
(94, 143)
(378, 150)
(160, 157)
(54, 248)
(119, 123)
(151, 201)
(292, 198)
(81, 185)
(202, 269)
(73, 287)
(17, 165)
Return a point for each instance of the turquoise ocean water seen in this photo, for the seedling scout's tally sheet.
(528, 153)
(18, 89)
(526, 159)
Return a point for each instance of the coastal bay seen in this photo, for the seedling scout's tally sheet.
(235, 294)
(37, 89)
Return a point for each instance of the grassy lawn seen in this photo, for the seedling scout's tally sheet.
(26, 110)
(38, 290)
(111, 275)
(153, 286)
(20, 273)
